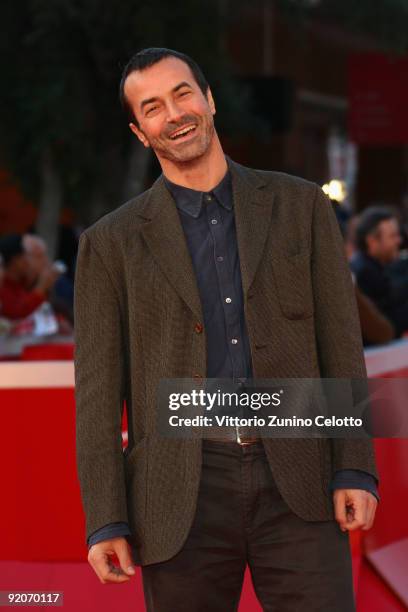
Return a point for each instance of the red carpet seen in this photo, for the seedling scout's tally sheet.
(84, 593)
(42, 522)
(82, 590)
(373, 594)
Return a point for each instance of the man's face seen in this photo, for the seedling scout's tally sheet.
(37, 261)
(384, 243)
(166, 99)
(38, 258)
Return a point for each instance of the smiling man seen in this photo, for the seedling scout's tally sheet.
(178, 126)
(216, 271)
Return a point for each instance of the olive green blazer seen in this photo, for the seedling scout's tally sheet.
(136, 310)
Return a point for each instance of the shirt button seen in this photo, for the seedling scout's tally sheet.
(220, 258)
(214, 221)
(198, 328)
(228, 300)
(234, 341)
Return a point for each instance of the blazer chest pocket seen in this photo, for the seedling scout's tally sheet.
(293, 283)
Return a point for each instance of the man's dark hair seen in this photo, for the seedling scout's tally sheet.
(11, 246)
(148, 57)
(368, 223)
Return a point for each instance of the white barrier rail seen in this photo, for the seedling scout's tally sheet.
(58, 374)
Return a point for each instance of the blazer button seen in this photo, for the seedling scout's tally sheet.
(198, 328)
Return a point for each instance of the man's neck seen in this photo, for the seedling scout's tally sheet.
(201, 174)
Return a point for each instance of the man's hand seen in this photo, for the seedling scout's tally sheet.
(99, 558)
(354, 509)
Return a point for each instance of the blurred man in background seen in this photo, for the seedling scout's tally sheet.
(375, 327)
(378, 240)
(61, 294)
(17, 300)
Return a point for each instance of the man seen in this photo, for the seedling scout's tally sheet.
(375, 327)
(62, 292)
(17, 301)
(210, 273)
(378, 239)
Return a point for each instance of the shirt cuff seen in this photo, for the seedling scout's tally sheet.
(355, 479)
(112, 530)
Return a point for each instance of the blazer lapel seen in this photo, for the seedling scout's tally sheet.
(252, 219)
(165, 238)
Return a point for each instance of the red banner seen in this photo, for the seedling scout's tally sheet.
(378, 99)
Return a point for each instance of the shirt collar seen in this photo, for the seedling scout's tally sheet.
(191, 201)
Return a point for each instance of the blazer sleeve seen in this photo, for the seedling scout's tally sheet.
(99, 390)
(337, 325)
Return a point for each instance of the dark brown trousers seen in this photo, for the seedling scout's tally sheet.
(241, 518)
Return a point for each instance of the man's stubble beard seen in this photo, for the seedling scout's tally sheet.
(187, 151)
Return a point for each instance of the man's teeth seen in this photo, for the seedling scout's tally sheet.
(182, 132)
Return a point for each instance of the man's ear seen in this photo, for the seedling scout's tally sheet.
(139, 134)
(210, 101)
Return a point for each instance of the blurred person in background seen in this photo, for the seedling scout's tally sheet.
(375, 327)
(378, 238)
(61, 294)
(17, 300)
(398, 269)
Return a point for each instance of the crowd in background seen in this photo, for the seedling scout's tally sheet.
(33, 288)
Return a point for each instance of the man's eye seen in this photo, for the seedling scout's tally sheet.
(184, 93)
(152, 108)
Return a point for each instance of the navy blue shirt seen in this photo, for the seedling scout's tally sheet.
(209, 226)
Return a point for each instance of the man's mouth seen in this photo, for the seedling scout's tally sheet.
(183, 132)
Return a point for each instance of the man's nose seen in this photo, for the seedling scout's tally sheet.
(174, 112)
